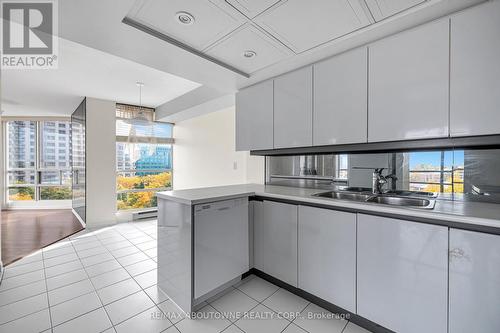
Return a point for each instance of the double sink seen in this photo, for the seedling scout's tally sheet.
(411, 199)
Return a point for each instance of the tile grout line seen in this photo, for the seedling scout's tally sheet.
(95, 290)
(47, 291)
(70, 242)
(141, 289)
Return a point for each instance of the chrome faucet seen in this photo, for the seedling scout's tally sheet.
(379, 180)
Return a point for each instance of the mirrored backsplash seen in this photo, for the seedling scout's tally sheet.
(454, 174)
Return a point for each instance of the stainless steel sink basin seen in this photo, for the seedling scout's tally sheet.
(343, 196)
(385, 199)
(412, 193)
(403, 201)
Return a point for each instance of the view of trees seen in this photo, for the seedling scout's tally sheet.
(46, 193)
(141, 199)
(21, 194)
(55, 193)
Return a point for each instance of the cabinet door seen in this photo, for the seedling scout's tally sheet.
(254, 117)
(403, 274)
(408, 84)
(474, 282)
(327, 255)
(475, 71)
(340, 99)
(293, 109)
(280, 239)
(258, 235)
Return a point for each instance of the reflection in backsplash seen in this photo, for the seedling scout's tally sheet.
(455, 174)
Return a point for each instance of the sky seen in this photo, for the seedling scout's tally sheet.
(434, 158)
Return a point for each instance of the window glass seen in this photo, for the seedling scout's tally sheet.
(436, 171)
(21, 144)
(55, 193)
(50, 157)
(21, 178)
(136, 200)
(21, 193)
(36, 169)
(143, 157)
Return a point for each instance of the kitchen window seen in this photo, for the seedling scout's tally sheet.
(143, 157)
(34, 170)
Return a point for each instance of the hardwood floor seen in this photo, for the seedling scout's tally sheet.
(25, 231)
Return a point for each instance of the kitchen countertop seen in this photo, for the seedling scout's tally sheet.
(455, 212)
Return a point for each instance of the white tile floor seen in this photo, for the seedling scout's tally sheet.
(105, 281)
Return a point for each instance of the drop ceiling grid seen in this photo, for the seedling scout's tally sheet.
(269, 20)
(273, 23)
(247, 11)
(214, 20)
(249, 37)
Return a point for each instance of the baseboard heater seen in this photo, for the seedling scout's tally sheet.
(145, 214)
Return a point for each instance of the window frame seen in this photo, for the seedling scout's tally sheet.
(37, 201)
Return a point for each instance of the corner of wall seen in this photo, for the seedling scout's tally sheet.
(255, 169)
(101, 162)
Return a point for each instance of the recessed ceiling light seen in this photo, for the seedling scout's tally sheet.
(184, 18)
(249, 54)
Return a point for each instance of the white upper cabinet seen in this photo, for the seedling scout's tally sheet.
(302, 25)
(403, 274)
(475, 71)
(293, 109)
(340, 99)
(254, 117)
(408, 84)
(474, 282)
(327, 255)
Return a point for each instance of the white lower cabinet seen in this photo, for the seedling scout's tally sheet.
(474, 282)
(327, 255)
(402, 274)
(279, 241)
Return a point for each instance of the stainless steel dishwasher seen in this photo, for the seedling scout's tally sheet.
(221, 248)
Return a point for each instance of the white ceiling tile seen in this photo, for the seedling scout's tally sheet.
(302, 25)
(252, 8)
(213, 19)
(381, 9)
(249, 38)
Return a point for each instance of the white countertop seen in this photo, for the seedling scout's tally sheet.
(472, 213)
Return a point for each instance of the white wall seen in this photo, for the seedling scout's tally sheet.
(101, 162)
(204, 153)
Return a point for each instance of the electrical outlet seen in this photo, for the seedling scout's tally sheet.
(235, 165)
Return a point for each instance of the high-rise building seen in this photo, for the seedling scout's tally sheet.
(160, 159)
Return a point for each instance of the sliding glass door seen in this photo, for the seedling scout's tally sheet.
(78, 166)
